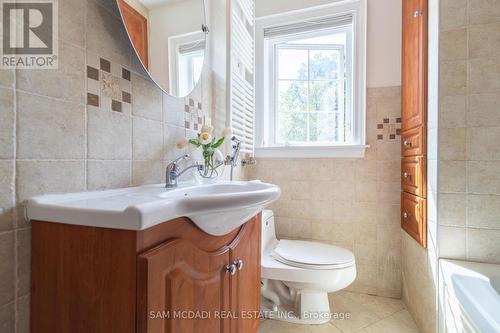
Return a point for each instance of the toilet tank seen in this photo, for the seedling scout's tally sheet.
(268, 230)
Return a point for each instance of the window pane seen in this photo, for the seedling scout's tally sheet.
(322, 127)
(292, 96)
(324, 64)
(292, 127)
(292, 64)
(323, 96)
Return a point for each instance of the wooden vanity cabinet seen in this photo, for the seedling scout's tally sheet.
(171, 278)
(414, 120)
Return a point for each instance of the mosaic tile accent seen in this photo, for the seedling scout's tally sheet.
(108, 85)
(193, 116)
(389, 129)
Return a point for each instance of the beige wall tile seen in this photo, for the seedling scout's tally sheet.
(304, 190)
(7, 268)
(108, 174)
(6, 195)
(452, 144)
(483, 143)
(484, 110)
(388, 150)
(71, 21)
(173, 133)
(482, 177)
(41, 177)
(109, 135)
(483, 245)
(453, 14)
(483, 11)
(389, 171)
(452, 242)
(484, 75)
(24, 261)
(452, 176)
(106, 35)
(64, 139)
(366, 192)
(366, 170)
(452, 208)
(389, 192)
(418, 283)
(7, 123)
(293, 228)
(148, 172)
(67, 82)
(146, 98)
(453, 77)
(453, 45)
(483, 211)
(23, 314)
(452, 111)
(169, 106)
(147, 139)
(484, 40)
(7, 77)
(7, 318)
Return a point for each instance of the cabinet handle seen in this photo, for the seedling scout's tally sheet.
(406, 215)
(231, 269)
(407, 143)
(239, 264)
(406, 175)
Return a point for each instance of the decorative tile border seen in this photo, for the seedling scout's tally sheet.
(193, 116)
(108, 85)
(390, 128)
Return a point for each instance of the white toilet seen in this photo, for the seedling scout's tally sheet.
(298, 275)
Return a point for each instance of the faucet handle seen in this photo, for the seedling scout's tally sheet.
(177, 160)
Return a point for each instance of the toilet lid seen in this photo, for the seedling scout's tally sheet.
(315, 255)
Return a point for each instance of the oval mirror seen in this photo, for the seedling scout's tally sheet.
(169, 38)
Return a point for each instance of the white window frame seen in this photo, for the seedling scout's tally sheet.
(265, 83)
(174, 44)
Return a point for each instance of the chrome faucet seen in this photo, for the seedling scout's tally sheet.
(173, 173)
(232, 159)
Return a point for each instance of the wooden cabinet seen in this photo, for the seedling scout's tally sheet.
(172, 278)
(414, 119)
(414, 64)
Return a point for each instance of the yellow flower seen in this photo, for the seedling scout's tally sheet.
(205, 138)
(181, 143)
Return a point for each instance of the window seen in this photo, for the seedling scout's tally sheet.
(185, 58)
(313, 82)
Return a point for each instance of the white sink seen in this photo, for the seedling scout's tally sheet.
(216, 208)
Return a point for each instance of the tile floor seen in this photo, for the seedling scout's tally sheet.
(368, 314)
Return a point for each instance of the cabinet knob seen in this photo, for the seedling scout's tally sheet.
(406, 175)
(417, 13)
(231, 269)
(239, 264)
(406, 215)
(406, 143)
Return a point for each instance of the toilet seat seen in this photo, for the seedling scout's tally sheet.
(312, 255)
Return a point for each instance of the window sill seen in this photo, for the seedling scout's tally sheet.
(340, 151)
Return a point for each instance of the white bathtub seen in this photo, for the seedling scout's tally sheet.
(469, 297)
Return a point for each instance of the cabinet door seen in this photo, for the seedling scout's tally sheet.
(177, 279)
(245, 284)
(414, 64)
